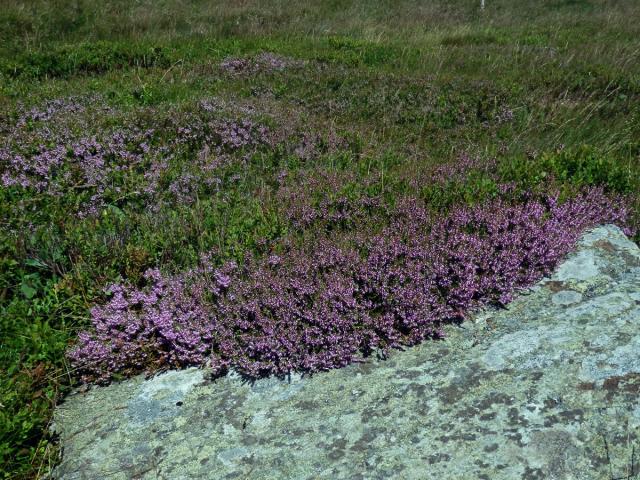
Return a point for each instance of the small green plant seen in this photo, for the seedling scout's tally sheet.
(575, 167)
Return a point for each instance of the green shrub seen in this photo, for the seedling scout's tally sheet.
(575, 167)
(35, 327)
(85, 58)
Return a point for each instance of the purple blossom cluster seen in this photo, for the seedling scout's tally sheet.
(236, 65)
(329, 303)
(504, 115)
(460, 168)
(322, 198)
(235, 135)
(86, 164)
(221, 135)
(45, 155)
(51, 109)
(166, 324)
(264, 62)
(311, 146)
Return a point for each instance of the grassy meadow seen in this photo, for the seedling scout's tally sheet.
(179, 136)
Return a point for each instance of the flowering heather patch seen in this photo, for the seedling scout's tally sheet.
(327, 304)
(51, 109)
(235, 135)
(220, 135)
(461, 167)
(311, 146)
(166, 324)
(52, 119)
(504, 115)
(236, 65)
(86, 164)
(264, 62)
(42, 154)
(323, 198)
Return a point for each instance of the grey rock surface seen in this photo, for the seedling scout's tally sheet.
(545, 389)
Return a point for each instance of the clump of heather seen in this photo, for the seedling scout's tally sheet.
(311, 146)
(233, 135)
(460, 168)
(223, 134)
(51, 109)
(329, 303)
(90, 166)
(165, 324)
(504, 115)
(265, 62)
(324, 198)
(301, 312)
(48, 153)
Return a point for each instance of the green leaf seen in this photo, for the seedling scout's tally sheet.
(34, 262)
(27, 290)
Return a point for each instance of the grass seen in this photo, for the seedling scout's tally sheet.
(383, 91)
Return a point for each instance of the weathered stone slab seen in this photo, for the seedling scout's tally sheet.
(546, 389)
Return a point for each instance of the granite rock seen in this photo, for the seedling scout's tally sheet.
(544, 389)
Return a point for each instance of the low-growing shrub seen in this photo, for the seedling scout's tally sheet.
(578, 167)
(84, 58)
(327, 304)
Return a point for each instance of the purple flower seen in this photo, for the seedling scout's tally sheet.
(327, 304)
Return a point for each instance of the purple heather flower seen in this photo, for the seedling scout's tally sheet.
(326, 305)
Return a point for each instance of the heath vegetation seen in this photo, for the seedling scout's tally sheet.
(272, 186)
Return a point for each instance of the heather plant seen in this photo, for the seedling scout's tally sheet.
(100, 168)
(52, 109)
(328, 200)
(265, 62)
(325, 305)
(87, 164)
(311, 146)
